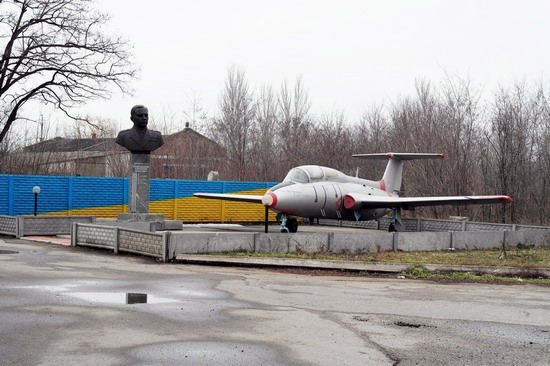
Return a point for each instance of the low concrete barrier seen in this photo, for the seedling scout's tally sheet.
(20, 226)
(304, 242)
(419, 224)
(50, 225)
(528, 238)
(121, 239)
(359, 243)
(9, 225)
(169, 245)
(470, 240)
(210, 242)
(427, 241)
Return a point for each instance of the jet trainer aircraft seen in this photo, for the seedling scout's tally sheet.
(314, 191)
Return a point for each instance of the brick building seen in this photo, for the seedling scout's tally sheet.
(186, 154)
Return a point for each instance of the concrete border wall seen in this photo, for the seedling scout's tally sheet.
(121, 239)
(425, 241)
(352, 243)
(359, 243)
(50, 225)
(168, 245)
(20, 226)
(415, 225)
(9, 225)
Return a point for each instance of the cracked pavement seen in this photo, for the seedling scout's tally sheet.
(65, 305)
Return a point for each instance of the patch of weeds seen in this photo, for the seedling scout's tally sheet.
(418, 271)
(421, 273)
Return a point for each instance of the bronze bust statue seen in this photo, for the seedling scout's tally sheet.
(139, 139)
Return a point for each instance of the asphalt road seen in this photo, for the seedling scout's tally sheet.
(64, 305)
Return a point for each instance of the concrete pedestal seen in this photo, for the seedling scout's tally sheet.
(140, 177)
(138, 194)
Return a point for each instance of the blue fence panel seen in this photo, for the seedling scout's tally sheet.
(62, 193)
(53, 194)
(186, 188)
(232, 186)
(97, 192)
(161, 189)
(4, 194)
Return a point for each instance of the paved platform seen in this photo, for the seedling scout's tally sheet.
(72, 305)
(343, 265)
(57, 239)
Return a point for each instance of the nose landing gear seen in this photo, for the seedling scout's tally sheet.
(289, 224)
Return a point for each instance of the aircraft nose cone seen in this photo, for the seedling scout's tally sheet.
(269, 199)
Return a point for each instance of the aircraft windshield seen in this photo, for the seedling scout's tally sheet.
(306, 174)
(297, 175)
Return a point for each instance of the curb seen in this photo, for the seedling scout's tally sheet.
(350, 265)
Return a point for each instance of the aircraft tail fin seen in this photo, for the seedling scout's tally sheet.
(391, 181)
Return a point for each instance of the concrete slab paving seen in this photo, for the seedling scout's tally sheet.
(68, 303)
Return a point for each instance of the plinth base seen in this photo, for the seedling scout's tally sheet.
(140, 217)
(156, 220)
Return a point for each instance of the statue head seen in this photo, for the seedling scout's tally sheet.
(139, 139)
(140, 116)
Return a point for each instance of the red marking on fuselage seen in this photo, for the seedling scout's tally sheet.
(274, 196)
(349, 202)
(383, 187)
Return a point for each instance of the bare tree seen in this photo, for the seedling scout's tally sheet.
(195, 115)
(371, 135)
(234, 126)
(265, 139)
(331, 142)
(54, 52)
(458, 135)
(510, 143)
(97, 128)
(540, 194)
(294, 125)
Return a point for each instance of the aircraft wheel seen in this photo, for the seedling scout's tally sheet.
(292, 225)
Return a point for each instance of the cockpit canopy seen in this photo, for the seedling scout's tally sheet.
(310, 173)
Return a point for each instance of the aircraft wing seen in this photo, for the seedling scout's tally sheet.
(357, 200)
(231, 197)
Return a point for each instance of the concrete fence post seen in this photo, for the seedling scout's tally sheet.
(165, 246)
(330, 241)
(419, 224)
(464, 225)
(395, 240)
(18, 227)
(117, 240)
(514, 227)
(74, 234)
(451, 243)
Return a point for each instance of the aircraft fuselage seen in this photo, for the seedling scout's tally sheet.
(324, 198)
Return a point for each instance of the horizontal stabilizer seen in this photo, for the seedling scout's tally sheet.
(399, 156)
(231, 197)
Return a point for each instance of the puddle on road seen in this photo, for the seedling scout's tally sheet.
(121, 298)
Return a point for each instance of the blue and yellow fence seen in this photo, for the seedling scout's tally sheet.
(107, 197)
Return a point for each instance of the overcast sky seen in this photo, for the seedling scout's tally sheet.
(350, 53)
